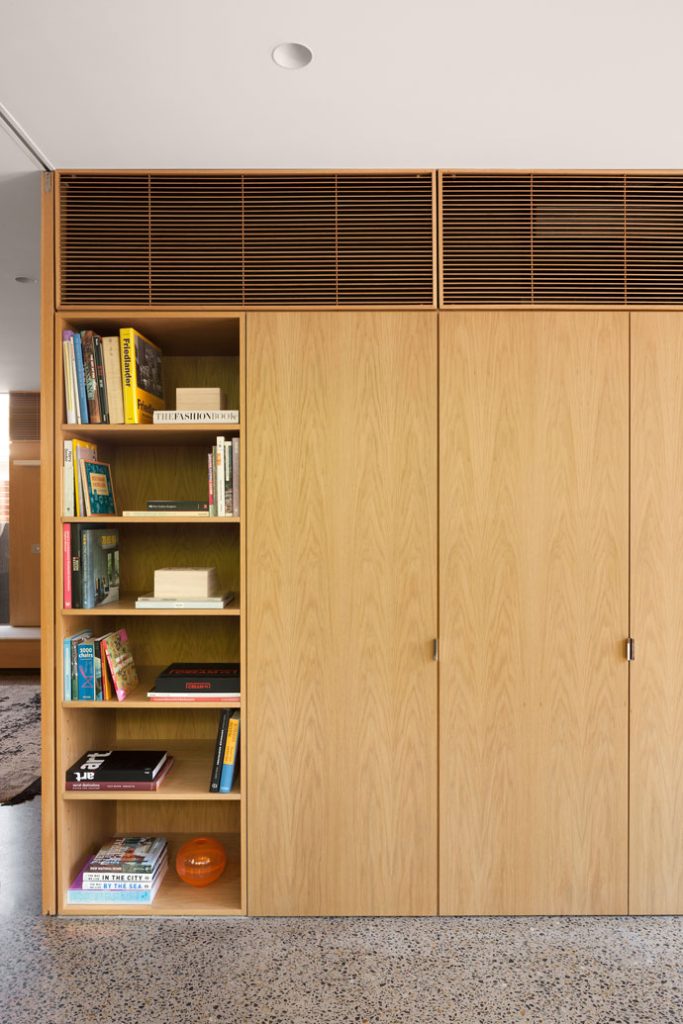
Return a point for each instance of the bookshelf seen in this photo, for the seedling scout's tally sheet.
(202, 348)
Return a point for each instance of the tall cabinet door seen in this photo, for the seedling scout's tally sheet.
(534, 480)
(656, 865)
(342, 612)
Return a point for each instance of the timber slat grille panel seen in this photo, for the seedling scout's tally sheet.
(247, 239)
(555, 239)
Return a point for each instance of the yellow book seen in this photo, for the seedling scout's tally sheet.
(230, 755)
(81, 450)
(143, 390)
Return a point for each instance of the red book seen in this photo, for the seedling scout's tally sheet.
(66, 570)
(108, 787)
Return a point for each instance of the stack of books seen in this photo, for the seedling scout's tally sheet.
(111, 380)
(98, 668)
(125, 870)
(119, 771)
(193, 681)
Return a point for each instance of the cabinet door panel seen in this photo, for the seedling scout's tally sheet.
(534, 611)
(656, 865)
(341, 613)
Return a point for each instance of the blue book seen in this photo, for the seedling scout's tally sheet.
(67, 668)
(80, 378)
(231, 752)
(89, 672)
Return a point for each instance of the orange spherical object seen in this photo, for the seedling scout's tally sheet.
(200, 861)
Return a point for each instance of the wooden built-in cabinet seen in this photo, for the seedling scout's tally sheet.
(342, 617)
(533, 724)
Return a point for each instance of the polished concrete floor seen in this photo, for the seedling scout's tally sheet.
(323, 971)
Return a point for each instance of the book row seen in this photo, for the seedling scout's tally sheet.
(115, 379)
(103, 668)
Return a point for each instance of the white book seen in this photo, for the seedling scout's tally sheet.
(74, 380)
(208, 603)
(220, 476)
(69, 390)
(151, 514)
(228, 478)
(111, 354)
(235, 476)
(231, 416)
(68, 479)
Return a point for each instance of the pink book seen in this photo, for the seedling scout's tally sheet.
(211, 511)
(66, 549)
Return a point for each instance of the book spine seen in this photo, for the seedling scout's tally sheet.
(87, 583)
(177, 506)
(77, 896)
(100, 374)
(69, 396)
(86, 671)
(68, 479)
(212, 511)
(66, 564)
(111, 350)
(128, 377)
(228, 478)
(76, 540)
(66, 667)
(219, 752)
(97, 668)
(220, 476)
(90, 375)
(227, 416)
(80, 378)
(235, 476)
(111, 787)
(118, 880)
(230, 756)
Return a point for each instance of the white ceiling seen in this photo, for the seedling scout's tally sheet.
(393, 83)
(190, 83)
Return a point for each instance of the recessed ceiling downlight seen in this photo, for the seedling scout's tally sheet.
(292, 56)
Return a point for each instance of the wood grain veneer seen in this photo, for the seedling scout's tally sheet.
(534, 612)
(341, 605)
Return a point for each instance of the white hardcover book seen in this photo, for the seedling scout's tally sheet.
(230, 416)
(111, 353)
(74, 380)
(228, 478)
(207, 603)
(69, 390)
(68, 480)
(220, 476)
(146, 513)
(235, 476)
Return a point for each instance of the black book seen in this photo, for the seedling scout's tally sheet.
(199, 677)
(219, 751)
(101, 378)
(117, 766)
(76, 565)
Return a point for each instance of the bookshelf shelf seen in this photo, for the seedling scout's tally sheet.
(188, 779)
(149, 433)
(138, 700)
(126, 606)
(154, 520)
(176, 898)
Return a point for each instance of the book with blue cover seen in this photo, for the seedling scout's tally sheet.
(98, 490)
(99, 566)
(89, 669)
(231, 754)
(77, 894)
(80, 378)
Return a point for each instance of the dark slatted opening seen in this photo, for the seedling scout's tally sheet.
(578, 239)
(196, 239)
(385, 239)
(279, 239)
(486, 238)
(289, 239)
(104, 239)
(654, 227)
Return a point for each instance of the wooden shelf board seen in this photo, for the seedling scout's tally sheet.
(149, 433)
(153, 520)
(137, 698)
(126, 606)
(176, 897)
(188, 779)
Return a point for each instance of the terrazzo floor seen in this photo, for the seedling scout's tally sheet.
(328, 971)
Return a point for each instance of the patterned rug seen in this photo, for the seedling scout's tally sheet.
(19, 741)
